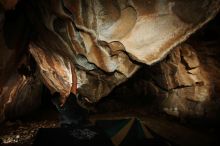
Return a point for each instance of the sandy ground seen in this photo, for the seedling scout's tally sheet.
(24, 130)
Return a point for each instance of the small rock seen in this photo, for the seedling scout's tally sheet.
(175, 109)
(17, 136)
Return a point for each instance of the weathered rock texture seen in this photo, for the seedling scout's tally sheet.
(184, 80)
(189, 79)
(147, 30)
(184, 84)
(99, 38)
(91, 46)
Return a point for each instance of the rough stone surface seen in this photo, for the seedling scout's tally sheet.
(147, 30)
(184, 84)
(105, 40)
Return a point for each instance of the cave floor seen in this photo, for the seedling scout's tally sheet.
(23, 131)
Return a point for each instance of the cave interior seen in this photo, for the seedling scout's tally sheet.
(173, 97)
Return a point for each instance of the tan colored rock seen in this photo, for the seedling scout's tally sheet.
(104, 64)
(103, 39)
(148, 30)
(57, 73)
(186, 81)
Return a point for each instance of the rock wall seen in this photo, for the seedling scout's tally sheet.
(20, 83)
(187, 84)
(184, 84)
